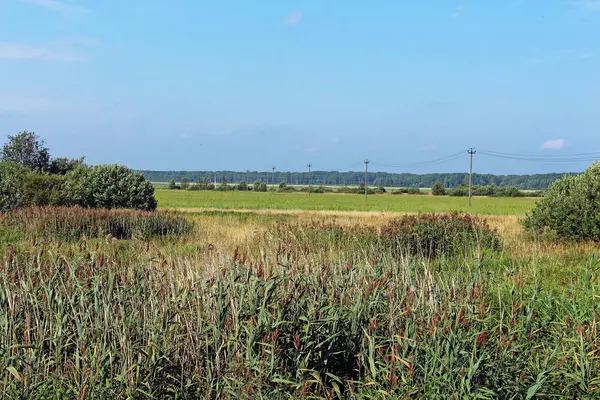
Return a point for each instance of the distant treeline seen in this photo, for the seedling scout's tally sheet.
(450, 180)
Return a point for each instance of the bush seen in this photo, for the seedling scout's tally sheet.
(62, 165)
(109, 186)
(283, 187)
(260, 186)
(242, 186)
(173, 185)
(73, 223)
(438, 189)
(431, 235)
(41, 189)
(12, 177)
(570, 208)
(224, 187)
(204, 184)
(413, 190)
(185, 183)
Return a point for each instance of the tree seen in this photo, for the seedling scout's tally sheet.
(185, 182)
(243, 186)
(260, 186)
(438, 189)
(28, 150)
(109, 186)
(172, 184)
(12, 176)
(62, 165)
(570, 208)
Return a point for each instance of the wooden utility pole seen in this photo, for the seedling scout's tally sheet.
(309, 165)
(273, 179)
(366, 177)
(471, 151)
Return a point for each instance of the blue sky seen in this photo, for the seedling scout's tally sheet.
(193, 84)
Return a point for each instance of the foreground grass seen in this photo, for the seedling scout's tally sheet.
(340, 202)
(306, 310)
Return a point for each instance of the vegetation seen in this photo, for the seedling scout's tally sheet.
(438, 189)
(259, 186)
(491, 190)
(185, 183)
(108, 186)
(339, 202)
(75, 223)
(385, 179)
(430, 235)
(28, 178)
(570, 209)
(27, 150)
(241, 309)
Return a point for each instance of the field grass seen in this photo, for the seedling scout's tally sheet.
(340, 202)
(284, 304)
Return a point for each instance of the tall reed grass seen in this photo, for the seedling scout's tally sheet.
(73, 223)
(290, 322)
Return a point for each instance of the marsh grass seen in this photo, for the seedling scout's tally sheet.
(324, 318)
(73, 223)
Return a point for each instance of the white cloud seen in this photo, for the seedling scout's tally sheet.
(554, 144)
(61, 7)
(12, 51)
(293, 18)
(457, 11)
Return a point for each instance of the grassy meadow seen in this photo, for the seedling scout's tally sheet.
(294, 304)
(233, 200)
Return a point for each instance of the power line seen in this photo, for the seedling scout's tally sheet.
(421, 164)
(575, 155)
(573, 159)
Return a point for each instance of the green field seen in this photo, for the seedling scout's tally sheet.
(340, 202)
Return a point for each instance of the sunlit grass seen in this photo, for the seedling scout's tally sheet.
(340, 202)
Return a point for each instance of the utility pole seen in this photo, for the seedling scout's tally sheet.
(273, 168)
(309, 182)
(471, 151)
(366, 177)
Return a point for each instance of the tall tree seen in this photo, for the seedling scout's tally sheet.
(28, 150)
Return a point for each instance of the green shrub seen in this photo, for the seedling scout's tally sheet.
(41, 189)
(431, 235)
(413, 190)
(570, 207)
(203, 184)
(173, 185)
(242, 186)
(259, 186)
(73, 223)
(438, 189)
(12, 176)
(62, 165)
(185, 183)
(109, 186)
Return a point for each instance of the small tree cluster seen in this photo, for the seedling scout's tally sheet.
(438, 189)
(570, 209)
(29, 178)
(259, 186)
